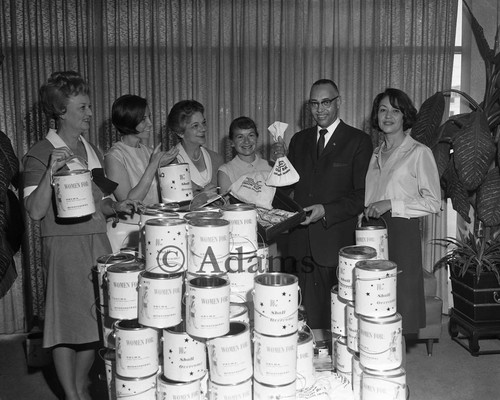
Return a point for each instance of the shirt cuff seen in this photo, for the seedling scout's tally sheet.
(398, 208)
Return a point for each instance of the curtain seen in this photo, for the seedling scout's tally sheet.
(244, 57)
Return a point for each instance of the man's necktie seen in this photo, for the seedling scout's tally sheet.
(321, 141)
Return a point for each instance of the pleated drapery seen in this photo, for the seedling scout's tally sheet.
(237, 57)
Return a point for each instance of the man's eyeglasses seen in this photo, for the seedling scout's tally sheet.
(326, 103)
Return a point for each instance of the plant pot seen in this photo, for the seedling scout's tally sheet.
(479, 301)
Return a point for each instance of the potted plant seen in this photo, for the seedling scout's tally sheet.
(467, 153)
(474, 264)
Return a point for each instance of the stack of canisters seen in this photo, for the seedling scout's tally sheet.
(177, 321)
(366, 328)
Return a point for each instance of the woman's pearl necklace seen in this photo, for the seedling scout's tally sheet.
(198, 159)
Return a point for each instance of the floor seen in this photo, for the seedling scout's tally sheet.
(450, 374)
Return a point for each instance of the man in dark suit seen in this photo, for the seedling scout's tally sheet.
(332, 159)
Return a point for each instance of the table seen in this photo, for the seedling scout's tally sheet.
(474, 331)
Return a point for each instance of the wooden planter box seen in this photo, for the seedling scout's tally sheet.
(479, 301)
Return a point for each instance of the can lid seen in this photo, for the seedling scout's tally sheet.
(202, 214)
(358, 252)
(372, 223)
(238, 207)
(208, 222)
(165, 221)
(116, 258)
(153, 275)
(208, 281)
(71, 172)
(275, 279)
(375, 265)
(126, 267)
(159, 213)
(381, 320)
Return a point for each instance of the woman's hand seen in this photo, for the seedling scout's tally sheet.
(375, 210)
(58, 158)
(127, 206)
(160, 158)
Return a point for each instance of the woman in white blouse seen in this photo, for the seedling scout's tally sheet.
(402, 184)
(132, 164)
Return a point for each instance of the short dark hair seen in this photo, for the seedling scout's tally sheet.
(128, 112)
(180, 112)
(242, 123)
(399, 100)
(326, 82)
(55, 93)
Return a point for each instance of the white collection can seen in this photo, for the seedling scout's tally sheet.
(374, 234)
(73, 193)
(136, 388)
(208, 241)
(375, 283)
(230, 356)
(136, 349)
(276, 303)
(387, 385)
(242, 227)
(239, 391)
(103, 263)
(159, 297)
(241, 270)
(175, 183)
(337, 310)
(207, 306)
(305, 360)
(263, 391)
(166, 245)
(348, 257)
(352, 327)
(275, 358)
(184, 357)
(342, 358)
(122, 280)
(167, 389)
(381, 342)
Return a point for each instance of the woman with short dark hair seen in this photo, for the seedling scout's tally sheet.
(402, 185)
(243, 136)
(133, 165)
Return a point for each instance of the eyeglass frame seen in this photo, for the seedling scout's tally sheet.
(315, 104)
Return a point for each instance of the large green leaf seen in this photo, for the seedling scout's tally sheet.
(455, 190)
(488, 199)
(482, 44)
(474, 150)
(429, 118)
(441, 153)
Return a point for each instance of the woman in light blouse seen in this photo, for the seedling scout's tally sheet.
(402, 184)
(243, 136)
(187, 120)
